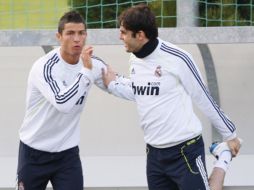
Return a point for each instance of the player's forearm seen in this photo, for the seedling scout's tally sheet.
(121, 90)
(62, 97)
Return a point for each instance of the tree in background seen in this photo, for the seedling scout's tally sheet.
(104, 13)
(226, 12)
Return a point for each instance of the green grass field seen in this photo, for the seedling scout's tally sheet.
(31, 14)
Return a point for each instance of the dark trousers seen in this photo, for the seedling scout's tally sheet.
(36, 168)
(181, 167)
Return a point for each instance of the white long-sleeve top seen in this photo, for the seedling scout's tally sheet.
(163, 85)
(56, 95)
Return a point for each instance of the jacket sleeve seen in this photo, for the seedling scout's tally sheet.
(63, 98)
(193, 83)
(98, 65)
(121, 87)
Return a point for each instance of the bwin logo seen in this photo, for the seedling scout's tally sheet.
(146, 90)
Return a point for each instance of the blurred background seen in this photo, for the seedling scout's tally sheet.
(44, 14)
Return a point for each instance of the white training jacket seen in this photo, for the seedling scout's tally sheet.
(56, 95)
(163, 85)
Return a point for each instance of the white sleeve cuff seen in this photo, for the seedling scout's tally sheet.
(111, 86)
(230, 137)
(88, 74)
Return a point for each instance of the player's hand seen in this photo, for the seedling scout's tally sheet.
(234, 145)
(108, 76)
(86, 57)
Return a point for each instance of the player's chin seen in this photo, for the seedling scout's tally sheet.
(128, 49)
(77, 51)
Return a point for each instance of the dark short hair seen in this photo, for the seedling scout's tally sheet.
(70, 17)
(137, 18)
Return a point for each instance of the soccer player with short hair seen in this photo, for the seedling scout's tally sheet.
(164, 82)
(58, 86)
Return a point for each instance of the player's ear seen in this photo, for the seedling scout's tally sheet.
(141, 34)
(58, 36)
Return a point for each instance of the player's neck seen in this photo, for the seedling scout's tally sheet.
(70, 59)
(147, 48)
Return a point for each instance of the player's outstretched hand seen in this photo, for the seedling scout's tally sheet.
(235, 145)
(86, 57)
(108, 76)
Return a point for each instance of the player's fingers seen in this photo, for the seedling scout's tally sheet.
(237, 146)
(86, 56)
(233, 152)
(103, 72)
(90, 51)
(87, 51)
(110, 71)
